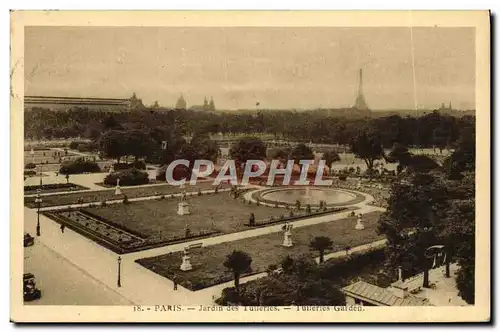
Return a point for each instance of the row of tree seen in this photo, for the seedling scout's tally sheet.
(430, 130)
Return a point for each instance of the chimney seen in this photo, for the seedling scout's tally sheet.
(400, 274)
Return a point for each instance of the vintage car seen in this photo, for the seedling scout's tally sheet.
(30, 292)
(28, 240)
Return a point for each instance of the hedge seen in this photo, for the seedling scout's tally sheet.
(87, 147)
(79, 166)
(128, 177)
(124, 166)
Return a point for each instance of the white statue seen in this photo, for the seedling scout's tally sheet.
(186, 261)
(359, 223)
(183, 206)
(287, 240)
(118, 190)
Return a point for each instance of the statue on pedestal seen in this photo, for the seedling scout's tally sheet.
(359, 223)
(186, 261)
(118, 190)
(287, 240)
(183, 206)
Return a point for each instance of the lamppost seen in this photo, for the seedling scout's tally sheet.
(41, 181)
(38, 202)
(119, 282)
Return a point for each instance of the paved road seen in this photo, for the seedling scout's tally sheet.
(62, 283)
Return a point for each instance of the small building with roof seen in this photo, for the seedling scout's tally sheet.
(409, 292)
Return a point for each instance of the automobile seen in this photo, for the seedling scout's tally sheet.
(28, 240)
(30, 292)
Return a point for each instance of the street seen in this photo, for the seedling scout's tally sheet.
(62, 283)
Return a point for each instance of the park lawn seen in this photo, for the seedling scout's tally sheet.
(109, 194)
(207, 262)
(150, 217)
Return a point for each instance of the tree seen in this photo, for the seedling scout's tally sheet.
(113, 145)
(287, 264)
(321, 244)
(367, 146)
(399, 154)
(330, 157)
(248, 148)
(138, 144)
(205, 147)
(463, 159)
(110, 123)
(238, 262)
(281, 155)
(412, 221)
(458, 234)
(465, 282)
(301, 152)
(422, 163)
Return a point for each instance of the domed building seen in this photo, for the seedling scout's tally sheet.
(181, 103)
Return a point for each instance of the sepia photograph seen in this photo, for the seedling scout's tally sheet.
(250, 166)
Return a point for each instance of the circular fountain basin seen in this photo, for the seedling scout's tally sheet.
(311, 196)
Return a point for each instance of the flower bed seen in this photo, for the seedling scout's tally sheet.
(53, 187)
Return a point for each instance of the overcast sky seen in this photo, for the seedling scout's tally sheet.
(278, 67)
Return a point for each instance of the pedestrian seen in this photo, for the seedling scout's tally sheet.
(62, 228)
(174, 279)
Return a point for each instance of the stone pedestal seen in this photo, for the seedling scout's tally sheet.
(118, 190)
(183, 208)
(287, 240)
(359, 224)
(186, 263)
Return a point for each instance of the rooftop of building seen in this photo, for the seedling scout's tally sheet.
(442, 291)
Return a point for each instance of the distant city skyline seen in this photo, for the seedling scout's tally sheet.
(279, 68)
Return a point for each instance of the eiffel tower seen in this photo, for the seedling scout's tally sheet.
(360, 103)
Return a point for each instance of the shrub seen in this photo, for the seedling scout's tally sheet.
(343, 177)
(87, 147)
(74, 144)
(104, 203)
(30, 166)
(29, 172)
(129, 177)
(125, 200)
(291, 214)
(79, 166)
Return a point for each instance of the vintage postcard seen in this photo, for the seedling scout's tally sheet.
(250, 166)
